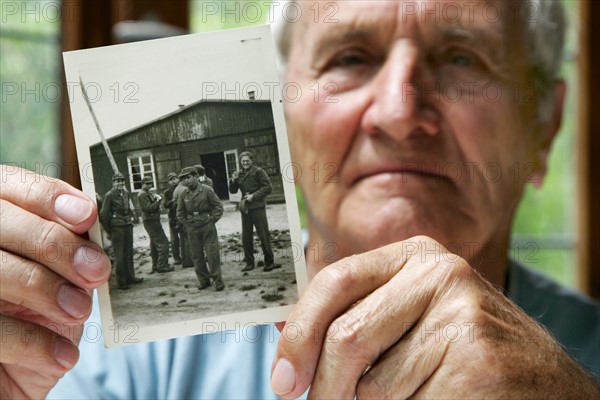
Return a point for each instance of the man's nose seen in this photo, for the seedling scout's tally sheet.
(402, 99)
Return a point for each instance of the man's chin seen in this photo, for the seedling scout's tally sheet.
(368, 226)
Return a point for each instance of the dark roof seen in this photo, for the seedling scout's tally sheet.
(181, 109)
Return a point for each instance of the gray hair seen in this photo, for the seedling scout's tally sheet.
(544, 25)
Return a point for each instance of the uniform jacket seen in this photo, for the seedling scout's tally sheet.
(115, 209)
(169, 202)
(196, 208)
(207, 181)
(254, 181)
(150, 205)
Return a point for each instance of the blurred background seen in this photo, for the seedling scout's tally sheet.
(557, 228)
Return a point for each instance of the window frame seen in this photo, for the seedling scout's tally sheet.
(143, 173)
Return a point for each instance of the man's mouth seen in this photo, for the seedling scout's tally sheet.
(422, 172)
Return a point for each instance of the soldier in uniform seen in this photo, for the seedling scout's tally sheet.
(202, 178)
(199, 208)
(117, 218)
(159, 244)
(255, 186)
(171, 206)
(186, 253)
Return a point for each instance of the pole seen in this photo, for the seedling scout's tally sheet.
(113, 164)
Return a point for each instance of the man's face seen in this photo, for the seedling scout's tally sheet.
(119, 184)
(246, 162)
(191, 181)
(173, 181)
(414, 127)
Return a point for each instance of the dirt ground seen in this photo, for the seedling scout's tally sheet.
(174, 296)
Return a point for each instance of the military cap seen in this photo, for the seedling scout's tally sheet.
(200, 169)
(118, 177)
(188, 171)
(147, 179)
(171, 175)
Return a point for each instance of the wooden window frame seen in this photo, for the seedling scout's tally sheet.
(143, 172)
(588, 136)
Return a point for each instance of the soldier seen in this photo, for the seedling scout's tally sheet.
(159, 244)
(186, 253)
(255, 186)
(171, 206)
(117, 218)
(202, 178)
(199, 208)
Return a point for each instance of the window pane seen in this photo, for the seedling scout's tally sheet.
(29, 61)
(209, 15)
(550, 211)
(556, 263)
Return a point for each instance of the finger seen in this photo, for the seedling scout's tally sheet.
(70, 330)
(359, 336)
(331, 292)
(50, 244)
(34, 287)
(49, 198)
(401, 371)
(33, 346)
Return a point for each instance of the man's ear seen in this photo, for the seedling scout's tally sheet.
(547, 132)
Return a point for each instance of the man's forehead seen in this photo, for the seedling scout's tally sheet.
(398, 18)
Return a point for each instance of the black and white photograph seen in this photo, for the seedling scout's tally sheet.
(187, 157)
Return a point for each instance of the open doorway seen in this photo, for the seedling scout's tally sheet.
(214, 164)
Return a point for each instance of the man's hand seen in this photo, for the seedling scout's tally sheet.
(249, 197)
(411, 319)
(47, 275)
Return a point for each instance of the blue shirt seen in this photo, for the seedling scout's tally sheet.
(237, 364)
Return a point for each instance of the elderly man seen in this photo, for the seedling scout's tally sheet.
(399, 315)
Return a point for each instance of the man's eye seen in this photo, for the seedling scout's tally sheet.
(351, 60)
(460, 59)
(348, 59)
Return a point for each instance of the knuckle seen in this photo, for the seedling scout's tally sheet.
(31, 279)
(340, 275)
(49, 233)
(457, 270)
(349, 338)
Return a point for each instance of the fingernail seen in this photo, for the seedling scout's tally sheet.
(65, 353)
(72, 209)
(74, 301)
(283, 378)
(90, 263)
